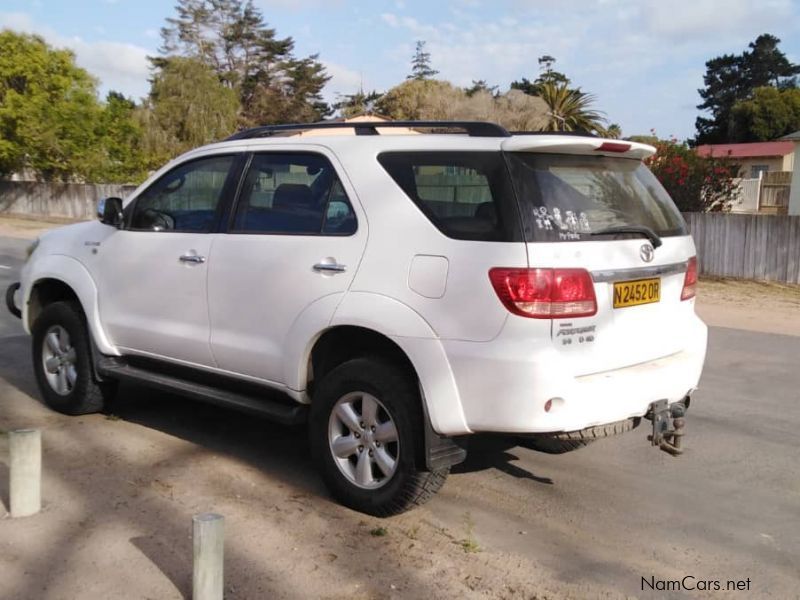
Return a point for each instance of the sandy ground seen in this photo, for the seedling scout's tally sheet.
(18, 227)
(120, 490)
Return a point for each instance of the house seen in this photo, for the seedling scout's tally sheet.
(755, 158)
(765, 171)
(794, 195)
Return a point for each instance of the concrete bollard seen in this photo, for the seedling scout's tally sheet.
(208, 540)
(25, 472)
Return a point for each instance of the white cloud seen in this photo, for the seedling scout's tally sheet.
(343, 81)
(118, 66)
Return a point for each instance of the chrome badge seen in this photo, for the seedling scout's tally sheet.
(646, 252)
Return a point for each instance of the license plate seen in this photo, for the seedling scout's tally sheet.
(640, 291)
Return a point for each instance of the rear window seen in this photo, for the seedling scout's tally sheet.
(568, 197)
(466, 195)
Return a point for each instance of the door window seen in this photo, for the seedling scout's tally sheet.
(297, 194)
(185, 199)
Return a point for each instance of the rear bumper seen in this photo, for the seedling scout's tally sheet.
(12, 307)
(504, 387)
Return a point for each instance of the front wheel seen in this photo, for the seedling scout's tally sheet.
(62, 361)
(366, 432)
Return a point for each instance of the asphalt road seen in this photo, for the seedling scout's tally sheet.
(606, 516)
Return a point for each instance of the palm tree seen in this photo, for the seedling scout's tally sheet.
(570, 109)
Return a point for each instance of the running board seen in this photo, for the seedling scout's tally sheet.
(285, 413)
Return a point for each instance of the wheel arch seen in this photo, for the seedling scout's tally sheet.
(56, 278)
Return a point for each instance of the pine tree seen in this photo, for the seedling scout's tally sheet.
(232, 38)
(421, 64)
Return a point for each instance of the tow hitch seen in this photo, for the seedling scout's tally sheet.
(668, 424)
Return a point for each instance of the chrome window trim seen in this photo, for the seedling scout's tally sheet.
(606, 276)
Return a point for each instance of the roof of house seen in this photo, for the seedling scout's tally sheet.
(792, 136)
(752, 150)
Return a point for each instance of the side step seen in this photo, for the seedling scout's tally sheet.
(285, 413)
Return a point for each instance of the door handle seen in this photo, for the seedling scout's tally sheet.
(330, 268)
(192, 258)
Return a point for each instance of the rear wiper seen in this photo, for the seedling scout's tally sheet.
(640, 229)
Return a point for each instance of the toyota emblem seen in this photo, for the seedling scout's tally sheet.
(647, 252)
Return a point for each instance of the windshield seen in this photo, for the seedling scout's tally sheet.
(569, 197)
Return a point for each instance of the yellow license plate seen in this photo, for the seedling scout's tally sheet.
(640, 291)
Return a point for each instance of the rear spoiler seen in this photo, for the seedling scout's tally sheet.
(559, 144)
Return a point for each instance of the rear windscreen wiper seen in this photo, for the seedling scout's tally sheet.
(640, 229)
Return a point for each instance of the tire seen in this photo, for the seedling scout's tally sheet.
(68, 385)
(359, 384)
(561, 443)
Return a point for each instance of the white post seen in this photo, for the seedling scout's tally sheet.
(208, 537)
(25, 472)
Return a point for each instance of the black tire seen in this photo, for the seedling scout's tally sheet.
(408, 486)
(86, 394)
(560, 443)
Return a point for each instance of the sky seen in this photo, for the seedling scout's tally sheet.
(643, 59)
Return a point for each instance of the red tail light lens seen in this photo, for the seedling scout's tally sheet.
(545, 293)
(690, 281)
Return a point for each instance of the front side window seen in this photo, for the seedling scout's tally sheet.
(466, 195)
(293, 194)
(185, 199)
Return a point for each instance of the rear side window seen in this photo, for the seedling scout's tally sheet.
(296, 194)
(568, 197)
(466, 195)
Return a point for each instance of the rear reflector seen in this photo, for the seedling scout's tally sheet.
(690, 280)
(545, 293)
(613, 147)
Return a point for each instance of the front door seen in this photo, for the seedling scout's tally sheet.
(151, 275)
(294, 239)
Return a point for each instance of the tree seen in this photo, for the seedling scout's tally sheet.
(231, 38)
(121, 140)
(613, 131)
(696, 184)
(421, 64)
(49, 112)
(480, 86)
(546, 75)
(188, 106)
(360, 103)
(769, 114)
(440, 100)
(570, 109)
(732, 78)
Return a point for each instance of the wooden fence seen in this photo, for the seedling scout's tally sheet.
(760, 247)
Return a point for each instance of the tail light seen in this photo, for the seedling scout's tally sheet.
(545, 293)
(690, 280)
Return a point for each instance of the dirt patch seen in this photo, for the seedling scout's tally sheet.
(751, 305)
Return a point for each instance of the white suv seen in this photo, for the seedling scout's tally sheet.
(397, 292)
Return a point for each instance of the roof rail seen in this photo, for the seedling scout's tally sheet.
(472, 128)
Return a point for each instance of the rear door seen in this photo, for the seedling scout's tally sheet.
(567, 202)
(295, 240)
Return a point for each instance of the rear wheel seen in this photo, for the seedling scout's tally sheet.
(62, 361)
(562, 442)
(366, 432)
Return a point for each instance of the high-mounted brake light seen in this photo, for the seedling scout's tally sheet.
(613, 147)
(545, 293)
(690, 280)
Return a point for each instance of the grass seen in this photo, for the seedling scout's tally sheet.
(378, 532)
(469, 544)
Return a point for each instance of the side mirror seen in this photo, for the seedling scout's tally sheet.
(109, 211)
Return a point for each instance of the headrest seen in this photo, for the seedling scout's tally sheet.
(294, 195)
